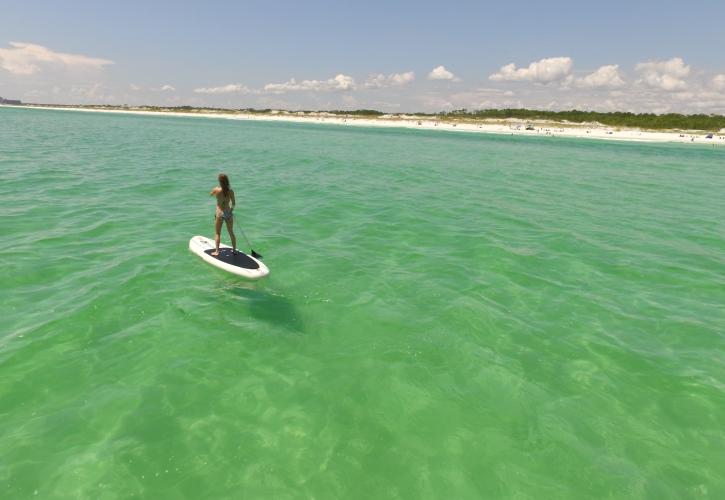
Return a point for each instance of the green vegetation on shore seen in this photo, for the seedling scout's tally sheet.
(614, 119)
(645, 121)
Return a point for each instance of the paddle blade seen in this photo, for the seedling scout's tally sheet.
(256, 255)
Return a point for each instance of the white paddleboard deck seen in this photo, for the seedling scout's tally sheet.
(238, 263)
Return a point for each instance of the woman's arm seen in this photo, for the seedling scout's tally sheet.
(214, 191)
(233, 199)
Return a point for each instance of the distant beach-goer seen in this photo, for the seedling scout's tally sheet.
(225, 203)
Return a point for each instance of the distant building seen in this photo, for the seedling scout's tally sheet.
(15, 102)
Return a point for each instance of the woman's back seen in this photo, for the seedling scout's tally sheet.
(222, 200)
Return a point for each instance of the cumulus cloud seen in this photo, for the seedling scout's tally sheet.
(133, 86)
(232, 88)
(27, 58)
(340, 82)
(441, 73)
(167, 88)
(380, 81)
(543, 71)
(664, 75)
(718, 82)
(607, 77)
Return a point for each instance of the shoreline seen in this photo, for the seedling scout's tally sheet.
(500, 127)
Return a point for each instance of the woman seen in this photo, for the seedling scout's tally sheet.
(225, 203)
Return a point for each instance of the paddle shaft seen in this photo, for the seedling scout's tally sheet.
(254, 254)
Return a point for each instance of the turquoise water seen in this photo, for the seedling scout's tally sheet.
(449, 315)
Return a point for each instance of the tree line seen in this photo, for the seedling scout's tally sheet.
(652, 121)
(613, 119)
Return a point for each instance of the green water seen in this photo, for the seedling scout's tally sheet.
(449, 315)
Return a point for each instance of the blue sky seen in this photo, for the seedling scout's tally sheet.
(637, 56)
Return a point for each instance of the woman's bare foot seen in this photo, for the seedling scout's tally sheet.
(215, 253)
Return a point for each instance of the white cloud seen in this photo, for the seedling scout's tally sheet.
(91, 93)
(718, 82)
(232, 88)
(543, 71)
(491, 90)
(26, 58)
(436, 103)
(133, 86)
(483, 98)
(403, 78)
(380, 81)
(605, 77)
(167, 87)
(665, 75)
(350, 101)
(340, 82)
(441, 73)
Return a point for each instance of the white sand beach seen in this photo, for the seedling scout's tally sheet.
(506, 127)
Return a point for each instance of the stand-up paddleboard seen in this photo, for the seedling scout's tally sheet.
(238, 263)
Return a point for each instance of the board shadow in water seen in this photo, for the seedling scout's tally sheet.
(270, 307)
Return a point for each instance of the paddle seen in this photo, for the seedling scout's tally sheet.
(254, 254)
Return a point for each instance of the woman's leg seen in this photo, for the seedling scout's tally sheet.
(230, 228)
(217, 234)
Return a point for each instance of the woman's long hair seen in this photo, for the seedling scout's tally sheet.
(224, 183)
